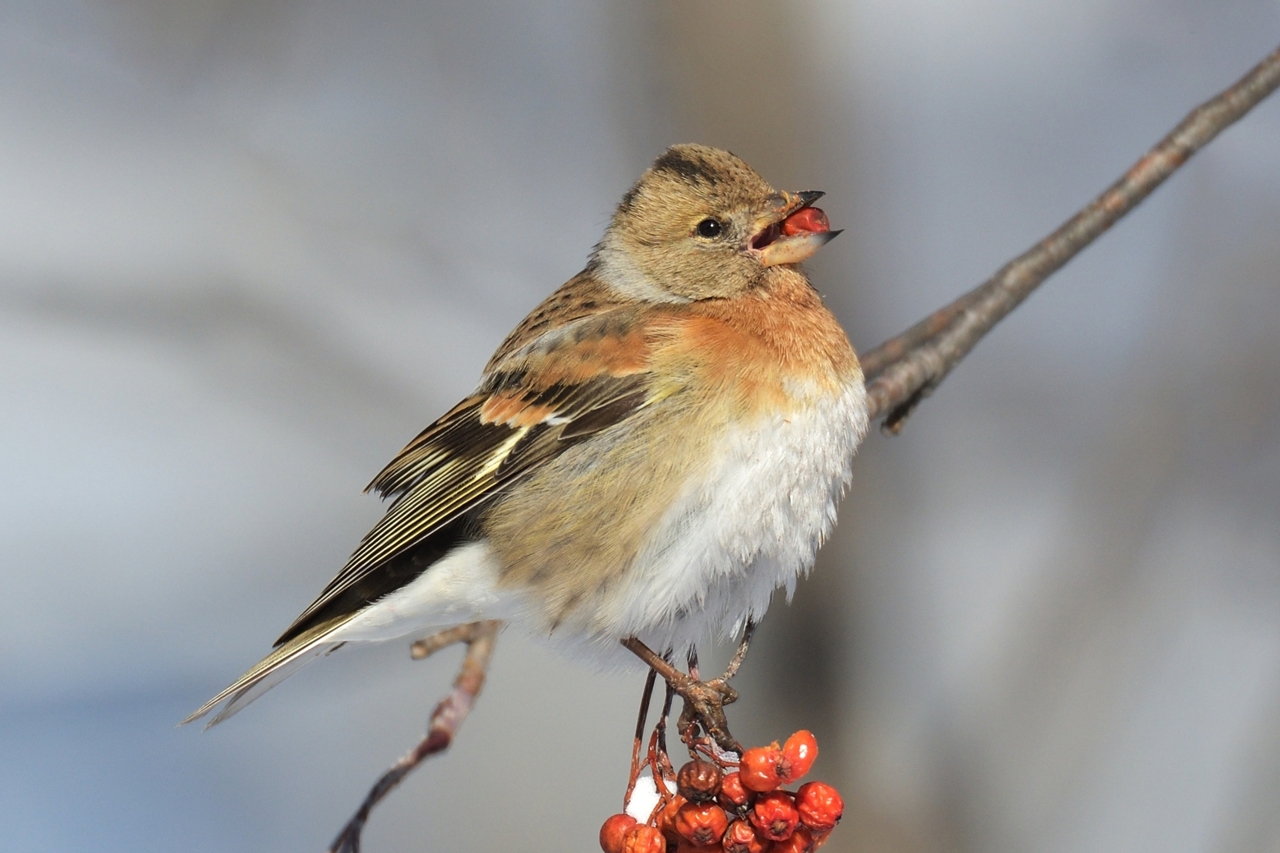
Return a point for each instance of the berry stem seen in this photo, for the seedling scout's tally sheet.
(635, 748)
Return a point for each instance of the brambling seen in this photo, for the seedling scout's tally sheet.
(652, 452)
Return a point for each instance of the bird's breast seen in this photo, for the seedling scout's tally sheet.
(683, 520)
(749, 522)
(765, 352)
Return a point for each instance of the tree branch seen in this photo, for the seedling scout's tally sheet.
(904, 370)
(445, 720)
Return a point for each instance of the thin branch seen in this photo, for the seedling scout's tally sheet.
(445, 720)
(639, 741)
(429, 645)
(906, 369)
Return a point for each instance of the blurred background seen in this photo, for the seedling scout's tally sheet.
(247, 250)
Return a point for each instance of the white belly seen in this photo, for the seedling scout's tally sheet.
(753, 525)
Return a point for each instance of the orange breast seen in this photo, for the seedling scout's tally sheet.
(763, 351)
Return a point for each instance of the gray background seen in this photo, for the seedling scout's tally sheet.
(248, 249)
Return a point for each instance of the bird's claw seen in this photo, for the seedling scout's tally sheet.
(704, 703)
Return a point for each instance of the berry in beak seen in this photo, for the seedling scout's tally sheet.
(797, 231)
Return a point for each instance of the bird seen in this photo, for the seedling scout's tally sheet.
(652, 452)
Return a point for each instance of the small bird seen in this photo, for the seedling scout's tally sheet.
(652, 452)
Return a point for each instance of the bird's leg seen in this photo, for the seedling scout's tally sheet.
(693, 715)
(740, 655)
(704, 701)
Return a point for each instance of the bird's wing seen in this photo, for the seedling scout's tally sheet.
(560, 389)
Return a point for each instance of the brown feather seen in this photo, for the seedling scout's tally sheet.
(480, 448)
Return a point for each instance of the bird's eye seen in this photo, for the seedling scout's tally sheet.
(710, 228)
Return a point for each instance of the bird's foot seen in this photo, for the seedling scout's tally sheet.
(704, 701)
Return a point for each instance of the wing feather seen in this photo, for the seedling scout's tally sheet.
(465, 459)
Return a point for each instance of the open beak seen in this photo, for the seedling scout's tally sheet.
(787, 236)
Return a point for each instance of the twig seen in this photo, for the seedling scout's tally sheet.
(429, 645)
(639, 741)
(660, 729)
(906, 369)
(445, 720)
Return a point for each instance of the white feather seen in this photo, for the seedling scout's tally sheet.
(462, 586)
(617, 268)
(752, 526)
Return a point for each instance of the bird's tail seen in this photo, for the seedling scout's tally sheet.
(273, 669)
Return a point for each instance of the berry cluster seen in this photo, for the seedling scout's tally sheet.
(741, 811)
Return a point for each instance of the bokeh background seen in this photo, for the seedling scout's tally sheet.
(247, 250)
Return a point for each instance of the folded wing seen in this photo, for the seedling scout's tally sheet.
(561, 388)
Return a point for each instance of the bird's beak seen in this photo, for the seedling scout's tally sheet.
(783, 237)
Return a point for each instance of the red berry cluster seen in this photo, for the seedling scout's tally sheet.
(743, 811)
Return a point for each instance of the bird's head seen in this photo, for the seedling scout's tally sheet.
(700, 224)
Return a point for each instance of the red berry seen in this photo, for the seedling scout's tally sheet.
(613, 830)
(643, 839)
(734, 797)
(665, 821)
(741, 838)
(774, 816)
(819, 805)
(801, 841)
(701, 824)
(761, 768)
(800, 750)
(810, 219)
(699, 781)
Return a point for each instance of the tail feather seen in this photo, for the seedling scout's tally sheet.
(271, 670)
